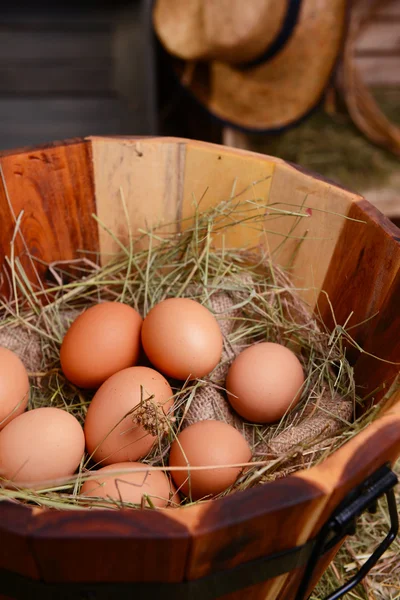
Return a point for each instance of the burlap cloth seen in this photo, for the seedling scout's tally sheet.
(320, 418)
(28, 344)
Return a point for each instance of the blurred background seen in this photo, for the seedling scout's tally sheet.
(96, 68)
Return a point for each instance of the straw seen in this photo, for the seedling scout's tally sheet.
(185, 264)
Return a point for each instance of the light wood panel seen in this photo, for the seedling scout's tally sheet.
(149, 172)
(214, 174)
(325, 207)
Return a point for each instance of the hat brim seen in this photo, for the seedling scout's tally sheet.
(279, 92)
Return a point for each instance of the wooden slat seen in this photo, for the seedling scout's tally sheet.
(54, 188)
(245, 526)
(325, 206)
(15, 550)
(148, 172)
(379, 70)
(51, 46)
(387, 8)
(106, 545)
(387, 199)
(383, 341)
(34, 120)
(214, 174)
(378, 37)
(362, 280)
(42, 78)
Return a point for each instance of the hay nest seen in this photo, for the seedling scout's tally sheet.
(253, 301)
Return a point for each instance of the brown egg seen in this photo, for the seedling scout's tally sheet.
(102, 341)
(41, 445)
(14, 386)
(207, 443)
(130, 486)
(111, 435)
(264, 381)
(182, 338)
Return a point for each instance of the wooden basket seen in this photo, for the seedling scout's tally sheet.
(355, 260)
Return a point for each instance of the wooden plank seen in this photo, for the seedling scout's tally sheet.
(383, 341)
(21, 46)
(15, 550)
(214, 173)
(241, 527)
(387, 8)
(325, 206)
(379, 37)
(105, 545)
(379, 70)
(361, 283)
(54, 188)
(42, 78)
(386, 199)
(136, 80)
(35, 120)
(149, 173)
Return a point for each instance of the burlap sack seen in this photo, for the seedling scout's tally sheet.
(27, 344)
(320, 419)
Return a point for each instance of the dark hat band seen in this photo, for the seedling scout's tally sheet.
(289, 23)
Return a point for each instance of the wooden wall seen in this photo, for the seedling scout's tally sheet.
(378, 54)
(74, 69)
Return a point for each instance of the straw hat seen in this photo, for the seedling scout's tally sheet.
(255, 64)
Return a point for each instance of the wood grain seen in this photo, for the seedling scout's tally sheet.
(214, 174)
(109, 546)
(362, 281)
(313, 237)
(15, 551)
(379, 70)
(54, 189)
(248, 525)
(149, 174)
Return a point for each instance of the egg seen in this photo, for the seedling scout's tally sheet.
(207, 443)
(14, 387)
(264, 382)
(102, 341)
(130, 486)
(110, 432)
(182, 338)
(40, 445)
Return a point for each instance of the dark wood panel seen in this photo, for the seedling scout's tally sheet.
(36, 120)
(360, 280)
(110, 546)
(383, 340)
(244, 526)
(15, 552)
(19, 46)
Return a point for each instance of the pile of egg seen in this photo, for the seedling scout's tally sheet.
(101, 351)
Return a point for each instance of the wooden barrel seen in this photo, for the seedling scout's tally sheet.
(351, 253)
